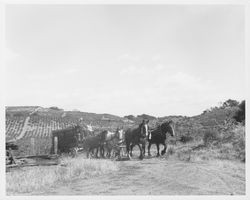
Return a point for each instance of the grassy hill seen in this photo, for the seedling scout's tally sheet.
(215, 126)
(44, 120)
(26, 122)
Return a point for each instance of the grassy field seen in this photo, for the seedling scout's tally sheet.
(35, 179)
(212, 138)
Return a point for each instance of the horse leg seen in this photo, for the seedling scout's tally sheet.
(164, 150)
(96, 153)
(128, 149)
(110, 152)
(92, 151)
(149, 146)
(107, 154)
(158, 148)
(102, 151)
(131, 150)
(141, 154)
(88, 152)
(74, 152)
(143, 148)
(119, 153)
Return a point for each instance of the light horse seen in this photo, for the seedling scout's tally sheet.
(112, 142)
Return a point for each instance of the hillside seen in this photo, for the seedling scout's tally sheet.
(40, 122)
(23, 123)
(27, 122)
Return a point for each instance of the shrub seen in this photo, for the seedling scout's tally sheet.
(239, 143)
(230, 103)
(55, 108)
(170, 150)
(240, 114)
(210, 136)
(185, 138)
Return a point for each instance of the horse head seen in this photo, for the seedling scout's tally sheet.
(167, 127)
(144, 129)
(103, 135)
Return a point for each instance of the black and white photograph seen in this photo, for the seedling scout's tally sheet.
(124, 99)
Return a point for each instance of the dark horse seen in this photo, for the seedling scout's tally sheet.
(102, 140)
(159, 136)
(136, 136)
(93, 142)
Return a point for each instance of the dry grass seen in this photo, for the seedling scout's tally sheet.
(215, 145)
(27, 180)
(198, 151)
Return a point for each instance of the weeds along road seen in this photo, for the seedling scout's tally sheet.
(161, 176)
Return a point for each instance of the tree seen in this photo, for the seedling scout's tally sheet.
(240, 114)
(230, 103)
(130, 117)
(55, 108)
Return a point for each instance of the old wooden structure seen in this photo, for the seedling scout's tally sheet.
(65, 139)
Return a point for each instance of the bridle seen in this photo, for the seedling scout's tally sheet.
(142, 127)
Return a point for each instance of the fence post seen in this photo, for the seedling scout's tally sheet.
(55, 145)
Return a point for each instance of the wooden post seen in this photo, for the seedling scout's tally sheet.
(55, 145)
(32, 141)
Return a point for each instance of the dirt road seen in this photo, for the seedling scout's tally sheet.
(161, 176)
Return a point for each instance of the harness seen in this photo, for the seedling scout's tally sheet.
(159, 128)
(141, 131)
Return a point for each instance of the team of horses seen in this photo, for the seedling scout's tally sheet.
(109, 143)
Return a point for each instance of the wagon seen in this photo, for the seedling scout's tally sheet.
(66, 140)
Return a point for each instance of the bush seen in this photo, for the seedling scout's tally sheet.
(170, 150)
(55, 108)
(210, 136)
(185, 138)
(130, 117)
(239, 143)
(229, 144)
(240, 114)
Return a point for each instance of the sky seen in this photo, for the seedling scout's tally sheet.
(124, 59)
